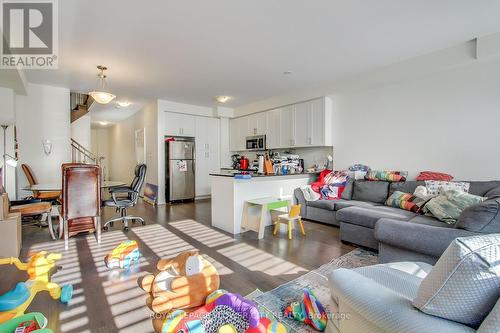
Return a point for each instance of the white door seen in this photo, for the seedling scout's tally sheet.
(317, 127)
(301, 124)
(286, 126)
(188, 125)
(273, 130)
(207, 152)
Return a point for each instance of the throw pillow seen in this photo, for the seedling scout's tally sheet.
(434, 187)
(405, 201)
(430, 175)
(370, 191)
(442, 209)
(464, 284)
(422, 193)
(462, 199)
(349, 187)
(390, 176)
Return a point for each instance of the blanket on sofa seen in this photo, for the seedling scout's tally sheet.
(330, 184)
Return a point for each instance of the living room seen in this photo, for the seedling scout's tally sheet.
(250, 167)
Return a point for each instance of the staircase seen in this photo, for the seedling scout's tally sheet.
(80, 154)
(80, 105)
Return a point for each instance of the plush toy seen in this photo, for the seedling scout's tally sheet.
(182, 283)
(223, 313)
(309, 311)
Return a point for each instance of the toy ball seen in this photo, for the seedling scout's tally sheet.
(228, 329)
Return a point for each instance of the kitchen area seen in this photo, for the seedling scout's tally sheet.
(274, 152)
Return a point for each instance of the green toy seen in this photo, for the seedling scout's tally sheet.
(11, 325)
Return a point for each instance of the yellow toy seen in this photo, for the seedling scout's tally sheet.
(15, 302)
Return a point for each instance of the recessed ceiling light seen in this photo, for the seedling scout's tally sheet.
(123, 104)
(103, 123)
(222, 99)
(287, 72)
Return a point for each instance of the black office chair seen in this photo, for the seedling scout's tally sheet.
(121, 203)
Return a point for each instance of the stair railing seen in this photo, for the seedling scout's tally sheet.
(80, 154)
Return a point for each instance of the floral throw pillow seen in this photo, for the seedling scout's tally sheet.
(405, 201)
(436, 187)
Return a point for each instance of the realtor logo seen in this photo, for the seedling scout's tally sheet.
(29, 34)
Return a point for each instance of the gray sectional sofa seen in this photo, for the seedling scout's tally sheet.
(397, 234)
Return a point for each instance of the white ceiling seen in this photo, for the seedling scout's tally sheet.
(190, 51)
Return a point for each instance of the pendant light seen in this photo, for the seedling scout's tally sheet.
(100, 95)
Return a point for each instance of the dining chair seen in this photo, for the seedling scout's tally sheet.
(81, 201)
(32, 180)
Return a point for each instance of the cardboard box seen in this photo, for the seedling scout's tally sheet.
(10, 235)
(4, 205)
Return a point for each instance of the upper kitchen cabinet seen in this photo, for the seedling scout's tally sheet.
(179, 124)
(287, 138)
(273, 132)
(312, 123)
(238, 128)
(257, 124)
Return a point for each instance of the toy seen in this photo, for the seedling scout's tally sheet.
(223, 313)
(182, 283)
(29, 323)
(123, 255)
(14, 303)
(309, 311)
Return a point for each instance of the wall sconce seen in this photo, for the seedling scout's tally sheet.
(47, 146)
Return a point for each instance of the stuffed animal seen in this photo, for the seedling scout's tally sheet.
(183, 282)
(223, 313)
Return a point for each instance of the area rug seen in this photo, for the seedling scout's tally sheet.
(273, 302)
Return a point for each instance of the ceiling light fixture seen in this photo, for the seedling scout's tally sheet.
(100, 95)
(103, 123)
(287, 72)
(222, 99)
(123, 104)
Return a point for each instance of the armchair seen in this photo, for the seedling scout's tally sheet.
(124, 197)
(42, 195)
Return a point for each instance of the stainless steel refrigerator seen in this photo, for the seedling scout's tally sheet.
(180, 165)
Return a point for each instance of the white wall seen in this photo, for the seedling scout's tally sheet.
(7, 117)
(100, 148)
(43, 114)
(7, 114)
(122, 158)
(445, 122)
(80, 131)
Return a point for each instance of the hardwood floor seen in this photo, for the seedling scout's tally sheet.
(110, 301)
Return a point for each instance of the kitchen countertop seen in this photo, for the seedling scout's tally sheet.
(227, 173)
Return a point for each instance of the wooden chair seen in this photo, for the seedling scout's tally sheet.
(288, 219)
(81, 196)
(45, 195)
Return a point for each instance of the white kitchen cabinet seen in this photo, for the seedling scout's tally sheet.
(238, 128)
(273, 132)
(256, 124)
(286, 126)
(207, 153)
(179, 124)
(301, 124)
(318, 124)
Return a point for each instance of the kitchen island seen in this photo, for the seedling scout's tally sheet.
(229, 195)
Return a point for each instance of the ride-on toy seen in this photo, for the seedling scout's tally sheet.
(34, 322)
(14, 302)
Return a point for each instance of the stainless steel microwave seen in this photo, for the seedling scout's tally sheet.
(257, 142)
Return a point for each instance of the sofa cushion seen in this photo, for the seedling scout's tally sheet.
(482, 187)
(493, 193)
(406, 187)
(323, 204)
(374, 191)
(464, 285)
(368, 216)
(349, 187)
(429, 220)
(341, 204)
(483, 217)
